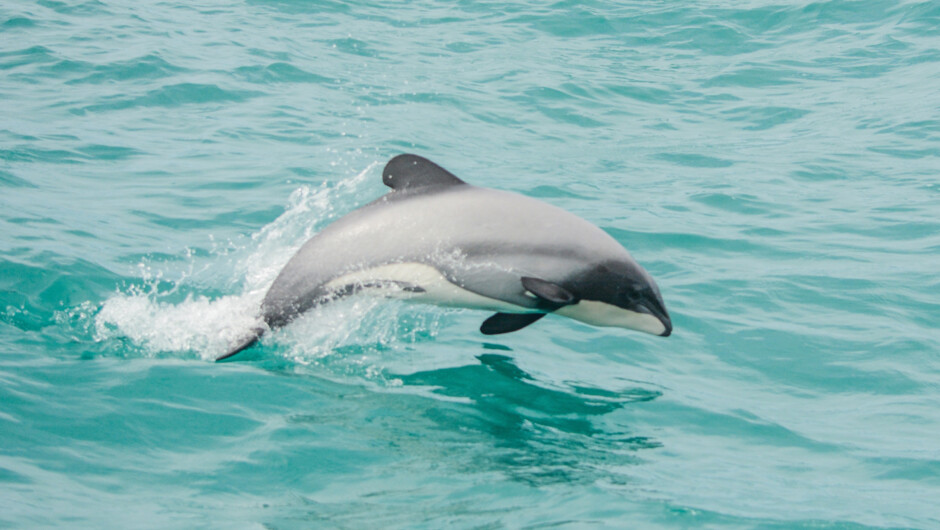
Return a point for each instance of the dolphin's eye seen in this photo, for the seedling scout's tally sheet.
(631, 292)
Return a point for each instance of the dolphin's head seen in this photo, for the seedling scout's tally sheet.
(621, 294)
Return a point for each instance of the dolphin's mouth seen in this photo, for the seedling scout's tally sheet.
(656, 308)
(667, 323)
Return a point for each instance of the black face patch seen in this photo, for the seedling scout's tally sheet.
(615, 283)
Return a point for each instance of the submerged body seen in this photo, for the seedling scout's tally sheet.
(436, 239)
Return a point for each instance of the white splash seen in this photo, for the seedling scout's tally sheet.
(308, 210)
(153, 320)
(195, 324)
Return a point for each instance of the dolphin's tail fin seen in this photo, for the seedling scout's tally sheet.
(244, 343)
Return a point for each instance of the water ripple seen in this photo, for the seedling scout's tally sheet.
(774, 166)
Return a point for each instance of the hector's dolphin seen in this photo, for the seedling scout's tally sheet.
(435, 238)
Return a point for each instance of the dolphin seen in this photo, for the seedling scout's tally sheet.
(434, 238)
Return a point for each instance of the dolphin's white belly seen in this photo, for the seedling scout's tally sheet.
(388, 280)
(601, 314)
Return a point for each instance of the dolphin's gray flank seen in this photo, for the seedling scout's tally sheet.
(437, 239)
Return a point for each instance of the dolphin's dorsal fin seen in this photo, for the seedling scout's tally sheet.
(406, 172)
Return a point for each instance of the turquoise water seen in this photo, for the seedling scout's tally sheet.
(775, 166)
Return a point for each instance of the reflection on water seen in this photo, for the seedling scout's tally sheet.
(539, 434)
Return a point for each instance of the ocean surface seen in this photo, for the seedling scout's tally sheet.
(775, 166)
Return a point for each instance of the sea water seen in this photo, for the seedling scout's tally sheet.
(775, 166)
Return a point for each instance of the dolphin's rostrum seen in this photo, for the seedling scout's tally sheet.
(435, 238)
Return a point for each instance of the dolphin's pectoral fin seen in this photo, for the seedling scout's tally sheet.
(412, 171)
(551, 294)
(508, 322)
